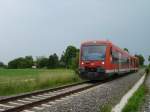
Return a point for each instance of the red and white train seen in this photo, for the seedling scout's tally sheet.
(100, 59)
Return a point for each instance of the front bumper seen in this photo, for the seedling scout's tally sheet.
(92, 74)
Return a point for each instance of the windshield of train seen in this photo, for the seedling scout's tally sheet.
(93, 52)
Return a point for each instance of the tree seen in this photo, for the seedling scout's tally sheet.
(62, 61)
(125, 49)
(2, 65)
(29, 61)
(21, 63)
(149, 60)
(17, 63)
(69, 55)
(141, 59)
(75, 62)
(53, 61)
(42, 62)
(12, 64)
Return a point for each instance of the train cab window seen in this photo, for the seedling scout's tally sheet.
(94, 52)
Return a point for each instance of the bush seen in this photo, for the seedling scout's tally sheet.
(69, 57)
(41, 62)
(21, 62)
(2, 65)
(53, 61)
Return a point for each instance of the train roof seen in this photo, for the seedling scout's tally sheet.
(106, 42)
(97, 42)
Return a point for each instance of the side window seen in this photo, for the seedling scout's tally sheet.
(124, 60)
(115, 57)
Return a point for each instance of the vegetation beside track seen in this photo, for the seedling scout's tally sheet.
(136, 100)
(15, 81)
(138, 97)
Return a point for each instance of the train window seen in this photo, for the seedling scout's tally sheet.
(94, 52)
(115, 57)
(124, 60)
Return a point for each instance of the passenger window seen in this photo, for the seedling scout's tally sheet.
(115, 57)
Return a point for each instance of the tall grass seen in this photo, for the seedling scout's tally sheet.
(26, 80)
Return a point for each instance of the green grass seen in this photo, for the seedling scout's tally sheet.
(14, 81)
(136, 100)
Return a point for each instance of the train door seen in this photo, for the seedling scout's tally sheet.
(115, 60)
(129, 64)
(119, 62)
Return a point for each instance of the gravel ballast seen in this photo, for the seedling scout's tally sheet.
(93, 99)
(1, 97)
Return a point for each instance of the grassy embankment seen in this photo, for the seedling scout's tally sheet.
(14, 81)
(138, 98)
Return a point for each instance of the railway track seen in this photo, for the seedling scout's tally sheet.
(26, 101)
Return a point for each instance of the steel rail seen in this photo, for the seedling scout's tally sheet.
(52, 98)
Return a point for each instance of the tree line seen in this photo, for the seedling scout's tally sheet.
(69, 59)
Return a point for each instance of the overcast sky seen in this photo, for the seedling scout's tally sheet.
(42, 27)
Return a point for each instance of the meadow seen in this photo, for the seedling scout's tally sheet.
(15, 81)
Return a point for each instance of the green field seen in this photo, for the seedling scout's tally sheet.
(14, 81)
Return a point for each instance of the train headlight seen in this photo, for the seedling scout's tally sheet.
(82, 63)
(103, 62)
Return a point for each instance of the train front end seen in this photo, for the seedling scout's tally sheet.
(92, 60)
